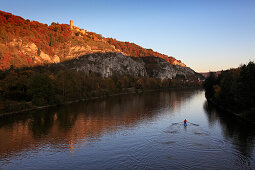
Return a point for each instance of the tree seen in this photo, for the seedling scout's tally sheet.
(42, 90)
(208, 85)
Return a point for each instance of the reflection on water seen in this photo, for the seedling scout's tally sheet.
(127, 132)
(82, 120)
(241, 134)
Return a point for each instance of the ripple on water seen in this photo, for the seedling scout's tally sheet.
(201, 133)
(206, 142)
(168, 142)
(137, 157)
(243, 162)
(171, 131)
(209, 145)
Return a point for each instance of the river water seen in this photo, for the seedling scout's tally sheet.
(128, 132)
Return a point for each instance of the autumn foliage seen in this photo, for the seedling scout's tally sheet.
(55, 39)
(37, 86)
(134, 50)
(234, 90)
(46, 38)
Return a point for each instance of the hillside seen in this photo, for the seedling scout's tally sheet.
(25, 43)
(233, 90)
(87, 77)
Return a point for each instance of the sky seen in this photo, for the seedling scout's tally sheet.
(206, 35)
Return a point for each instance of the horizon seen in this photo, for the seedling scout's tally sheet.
(177, 28)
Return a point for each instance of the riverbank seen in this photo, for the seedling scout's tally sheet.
(126, 92)
(245, 116)
(233, 91)
(30, 107)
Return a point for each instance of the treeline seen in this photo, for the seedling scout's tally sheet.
(234, 89)
(40, 86)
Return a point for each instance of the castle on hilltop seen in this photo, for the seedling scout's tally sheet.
(71, 24)
(78, 29)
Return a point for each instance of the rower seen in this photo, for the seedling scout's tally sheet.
(185, 122)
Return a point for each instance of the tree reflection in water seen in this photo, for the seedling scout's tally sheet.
(241, 133)
(84, 120)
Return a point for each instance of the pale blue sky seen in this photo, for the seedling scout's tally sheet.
(204, 34)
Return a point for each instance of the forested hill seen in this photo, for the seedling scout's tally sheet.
(233, 90)
(25, 43)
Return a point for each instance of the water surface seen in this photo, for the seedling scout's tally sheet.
(128, 132)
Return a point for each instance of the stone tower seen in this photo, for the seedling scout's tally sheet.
(71, 24)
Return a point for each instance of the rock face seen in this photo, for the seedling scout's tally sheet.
(108, 64)
(159, 68)
(25, 43)
(30, 49)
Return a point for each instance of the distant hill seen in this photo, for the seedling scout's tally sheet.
(206, 74)
(25, 43)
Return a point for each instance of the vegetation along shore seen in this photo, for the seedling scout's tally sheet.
(233, 91)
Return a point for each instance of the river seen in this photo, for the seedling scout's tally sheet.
(128, 132)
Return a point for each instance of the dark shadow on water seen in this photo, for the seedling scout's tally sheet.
(241, 133)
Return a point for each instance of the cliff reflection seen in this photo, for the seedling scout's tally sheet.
(241, 134)
(65, 126)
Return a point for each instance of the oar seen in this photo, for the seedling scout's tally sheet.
(193, 124)
(176, 123)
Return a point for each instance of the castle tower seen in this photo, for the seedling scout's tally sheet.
(71, 24)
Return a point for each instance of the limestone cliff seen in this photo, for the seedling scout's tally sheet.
(108, 64)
